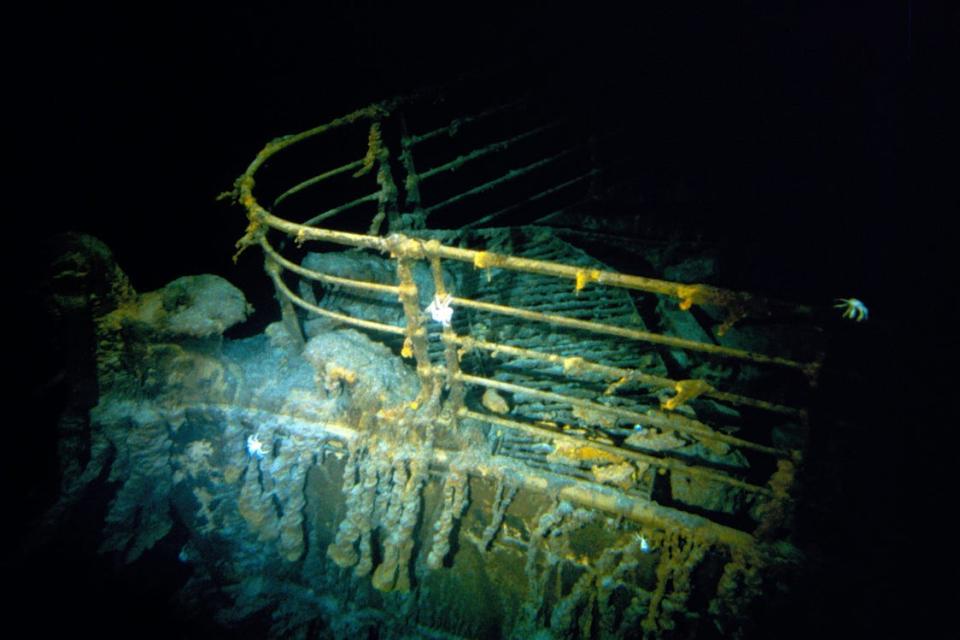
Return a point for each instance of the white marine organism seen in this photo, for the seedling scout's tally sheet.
(853, 309)
(644, 543)
(440, 309)
(256, 448)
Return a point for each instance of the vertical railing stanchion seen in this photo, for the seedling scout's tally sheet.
(414, 217)
(454, 383)
(287, 313)
(416, 334)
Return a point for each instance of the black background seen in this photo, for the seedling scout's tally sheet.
(822, 133)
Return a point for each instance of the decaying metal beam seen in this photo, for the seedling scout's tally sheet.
(541, 195)
(616, 374)
(329, 213)
(456, 124)
(513, 174)
(493, 147)
(317, 179)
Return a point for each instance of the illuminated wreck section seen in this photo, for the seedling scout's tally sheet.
(482, 431)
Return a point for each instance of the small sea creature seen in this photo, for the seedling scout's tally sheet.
(256, 448)
(853, 309)
(440, 309)
(644, 543)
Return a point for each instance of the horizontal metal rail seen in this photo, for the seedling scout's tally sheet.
(493, 147)
(277, 144)
(670, 464)
(569, 364)
(688, 294)
(534, 198)
(329, 213)
(513, 174)
(616, 374)
(323, 277)
(623, 332)
(340, 317)
(397, 244)
(303, 232)
(297, 188)
(401, 246)
(652, 418)
(457, 123)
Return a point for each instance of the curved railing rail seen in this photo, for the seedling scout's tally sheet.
(405, 249)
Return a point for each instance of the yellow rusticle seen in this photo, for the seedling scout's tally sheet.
(337, 373)
(686, 390)
(613, 386)
(734, 315)
(250, 236)
(572, 364)
(373, 150)
(573, 453)
(406, 290)
(688, 295)
(495, 402)
(486, 260)
(621, 475)
(585, 277)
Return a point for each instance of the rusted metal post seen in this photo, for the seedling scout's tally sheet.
(415, 217)
(416, 333)
(450, 351)
(287, 313)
